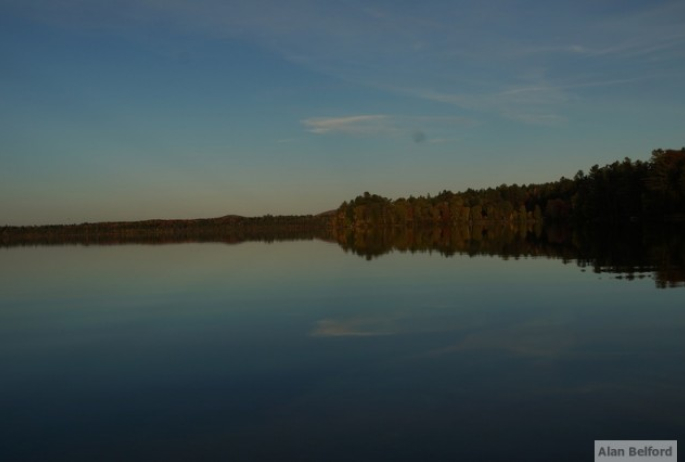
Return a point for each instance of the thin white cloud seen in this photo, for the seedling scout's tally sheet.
(351, 125)
(530, 105)
(413, 127)
(539, 103)
(641, 47)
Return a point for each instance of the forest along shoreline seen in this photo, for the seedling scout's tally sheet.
(625, 191)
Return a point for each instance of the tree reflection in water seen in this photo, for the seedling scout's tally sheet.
(629, 251)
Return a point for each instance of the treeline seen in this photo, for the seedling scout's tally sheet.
(228, 229)
(627, 190)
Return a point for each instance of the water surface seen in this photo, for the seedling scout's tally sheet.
(300, 351)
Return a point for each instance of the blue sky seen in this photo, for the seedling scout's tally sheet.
(126, 110)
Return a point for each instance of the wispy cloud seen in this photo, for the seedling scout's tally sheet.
(472, 56)
(537, 105)
(416, 128)
(350, 125)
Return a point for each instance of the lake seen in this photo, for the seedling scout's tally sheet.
(306, 350)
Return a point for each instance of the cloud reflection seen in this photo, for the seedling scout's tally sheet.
(354, 327)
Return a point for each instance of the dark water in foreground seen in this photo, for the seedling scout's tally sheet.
(300, 351)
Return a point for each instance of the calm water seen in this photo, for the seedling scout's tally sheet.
(300, 351)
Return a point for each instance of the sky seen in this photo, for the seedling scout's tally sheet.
(132, 110)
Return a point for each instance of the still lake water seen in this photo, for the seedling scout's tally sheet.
(300, 351)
